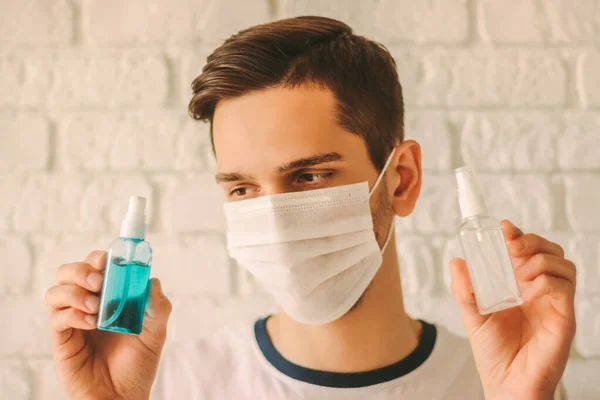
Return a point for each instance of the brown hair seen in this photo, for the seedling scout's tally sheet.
(310, 50)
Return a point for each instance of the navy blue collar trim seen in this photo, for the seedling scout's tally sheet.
(342, 379)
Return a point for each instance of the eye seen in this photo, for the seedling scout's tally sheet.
(238, 192)
(313, 178)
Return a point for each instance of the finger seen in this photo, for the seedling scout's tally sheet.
(560, 290)
(511, 231)
(81, 274)
(62, 296)
(62, 320)
(97, 259)
(547, 264)
(530, 244)
(462, 290)
(158, 310)
(158, 305)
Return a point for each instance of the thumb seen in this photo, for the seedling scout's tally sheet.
(462, 290)
(158, 310)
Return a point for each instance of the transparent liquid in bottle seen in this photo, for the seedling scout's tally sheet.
(489, 264)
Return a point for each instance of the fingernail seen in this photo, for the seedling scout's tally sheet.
(91, 302)
(94, 279)
(90, 319)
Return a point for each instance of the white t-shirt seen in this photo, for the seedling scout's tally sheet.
(243, 364)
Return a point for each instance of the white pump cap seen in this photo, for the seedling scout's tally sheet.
(134, 224)
(470, 198)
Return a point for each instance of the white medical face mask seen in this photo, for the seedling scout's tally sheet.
(314, 251)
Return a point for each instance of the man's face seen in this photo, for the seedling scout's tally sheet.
(287, 140)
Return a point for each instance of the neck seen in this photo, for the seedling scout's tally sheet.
(376, 333)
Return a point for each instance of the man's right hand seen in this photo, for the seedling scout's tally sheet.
(95, 364)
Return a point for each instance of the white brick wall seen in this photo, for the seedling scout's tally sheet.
(93, 98)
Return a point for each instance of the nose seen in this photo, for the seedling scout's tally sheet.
(273, 188)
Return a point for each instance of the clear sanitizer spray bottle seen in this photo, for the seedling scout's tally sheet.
(126, 275)
(485, 249)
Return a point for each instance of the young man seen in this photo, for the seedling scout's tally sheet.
(307, 127)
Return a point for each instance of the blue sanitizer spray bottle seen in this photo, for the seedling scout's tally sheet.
(127, 273)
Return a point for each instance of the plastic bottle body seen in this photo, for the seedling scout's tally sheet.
(125, 286)
(490, 268)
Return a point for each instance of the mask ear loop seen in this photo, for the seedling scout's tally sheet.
(379, 178)
(383, 171)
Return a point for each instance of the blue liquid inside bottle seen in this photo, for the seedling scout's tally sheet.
(125, 286)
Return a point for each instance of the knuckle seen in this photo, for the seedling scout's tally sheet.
(168, 305)
(545, 280)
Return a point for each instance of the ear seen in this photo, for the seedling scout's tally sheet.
(406, 179)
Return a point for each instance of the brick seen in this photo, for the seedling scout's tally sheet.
(15, 274)
(65, 78)
(108, 80)
(227, 17)
(583, 195)
(105, 199)
(52, 251)
(526, 200)
(539, 22)
(579, 144)
(25, 80)
(24, 142)
(359, 17)
(196, 317)
(584, 251)
(570, 24)
(14, 380)
(46, 381)
(410, 73)
(481, 77)
(191, 265)
(193, 203)
(432, 131)
(497, 141)
(579, 379)
(10, 188)
(36, 23)
(436, 210)
(527, 23)
(417, 266)
(504, 77)
(27, 334)
(189, 62)
(141, 140)
(588, 327)
(437, 21)
(588, 78)
(74, 203)
(135, 22)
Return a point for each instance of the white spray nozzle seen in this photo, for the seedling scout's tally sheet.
(134, 224)
(470, 198)
(137, 208)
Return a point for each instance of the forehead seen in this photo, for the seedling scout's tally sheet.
(276, 125)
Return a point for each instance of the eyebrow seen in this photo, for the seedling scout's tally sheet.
(310, 161)
(304, 162)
